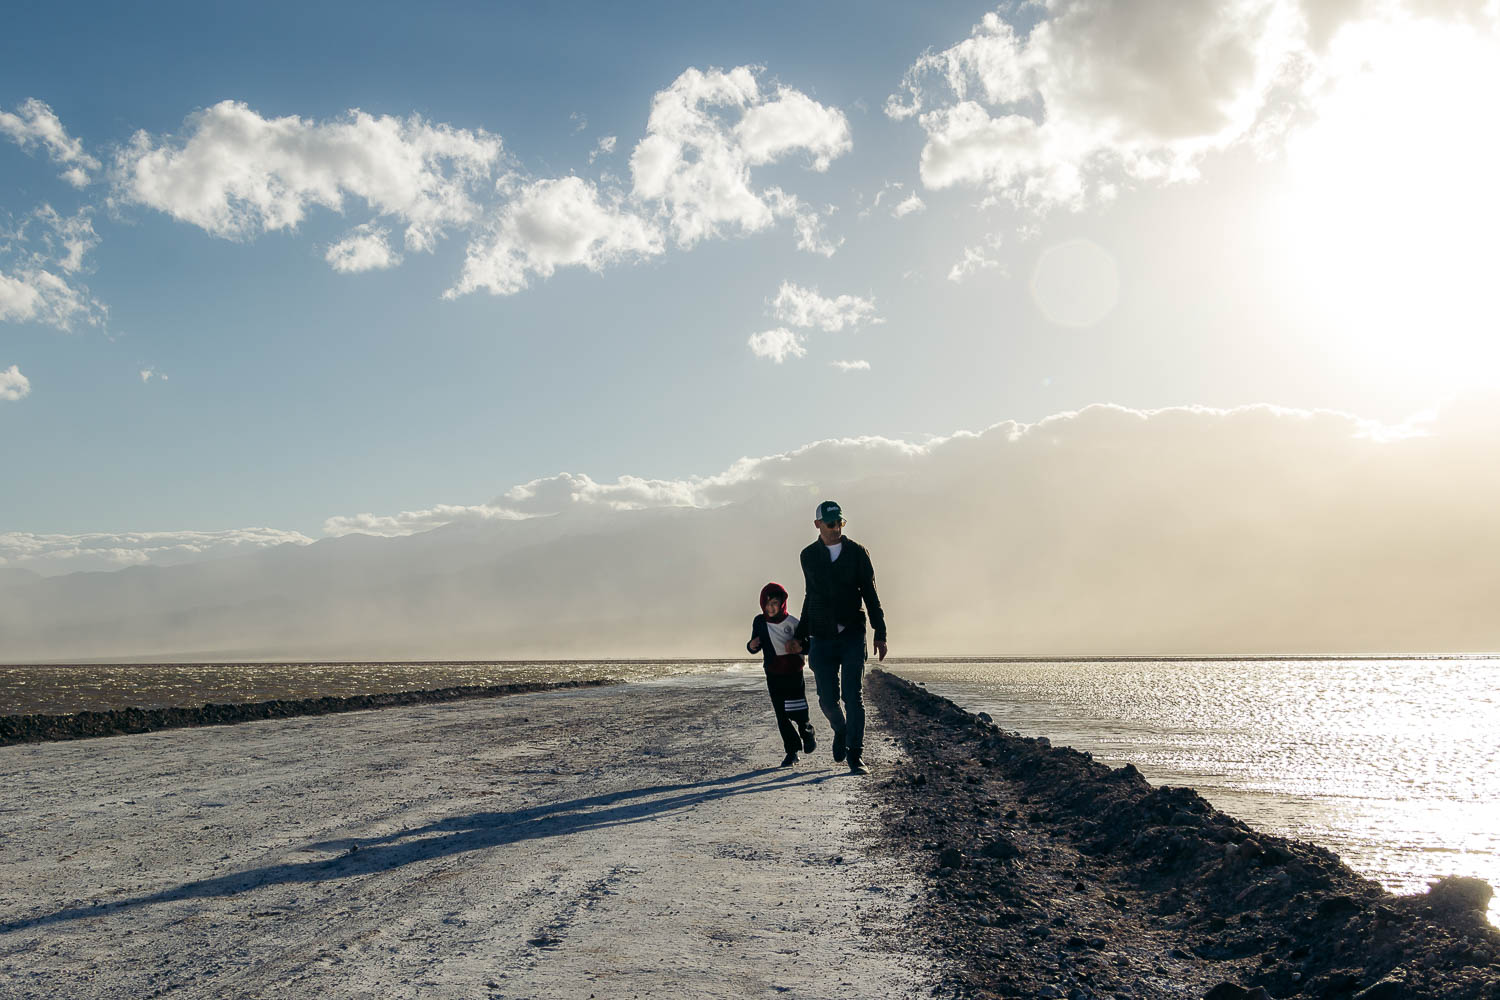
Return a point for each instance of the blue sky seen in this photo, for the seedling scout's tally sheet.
(217, 381)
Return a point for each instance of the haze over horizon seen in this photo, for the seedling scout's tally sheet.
(1116, 327)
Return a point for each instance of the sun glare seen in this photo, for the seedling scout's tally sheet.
(1392, 212)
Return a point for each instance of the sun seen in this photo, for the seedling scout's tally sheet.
(1392, 214)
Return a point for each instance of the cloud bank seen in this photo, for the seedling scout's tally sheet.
(1105, 531)
(103, 550)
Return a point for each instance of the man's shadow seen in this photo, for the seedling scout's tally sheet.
(457, 835)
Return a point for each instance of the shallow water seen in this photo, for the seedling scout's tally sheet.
(1392, 764)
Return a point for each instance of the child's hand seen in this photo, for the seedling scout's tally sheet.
(755, 644)
(793, 646)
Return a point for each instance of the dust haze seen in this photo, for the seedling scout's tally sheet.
(1106, 531)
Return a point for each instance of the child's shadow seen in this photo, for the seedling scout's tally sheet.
(457, 835)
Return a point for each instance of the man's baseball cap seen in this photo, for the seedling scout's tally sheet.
(828, 512)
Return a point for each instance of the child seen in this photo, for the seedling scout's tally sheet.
(769, 633)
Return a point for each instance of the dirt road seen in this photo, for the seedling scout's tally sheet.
(611, 842)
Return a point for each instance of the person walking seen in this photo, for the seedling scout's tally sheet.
(839, 576)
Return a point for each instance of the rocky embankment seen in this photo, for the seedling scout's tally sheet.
(83, 725)
(1052, 875)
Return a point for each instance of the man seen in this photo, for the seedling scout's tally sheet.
(838, 575)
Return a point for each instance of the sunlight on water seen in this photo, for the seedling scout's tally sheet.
(1392, 764)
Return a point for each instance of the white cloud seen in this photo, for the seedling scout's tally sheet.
(410, 522)
(1098, 88)
(851, 366)
(806, 221)
(58, 553)
(793, 121)
(36, 295)
(1104, 92)
(604, 147)
(366, 247)
(777, 345)
(34, 124)
(236, 174)
(150, 372)
(14, 385)
(913, 203)
(800, 306)
(975, 259)
(39, 263)
(551, 224)
(696, 165)
(65, 240)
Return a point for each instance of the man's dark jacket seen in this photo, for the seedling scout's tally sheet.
(834, 589)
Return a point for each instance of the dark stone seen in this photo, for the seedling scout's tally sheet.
(1000, 848)
(1234, 991)
(1391, 987)
(1459, 893)
(1335, 905)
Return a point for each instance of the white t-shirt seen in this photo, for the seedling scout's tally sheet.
(781, 633)
(833, 556)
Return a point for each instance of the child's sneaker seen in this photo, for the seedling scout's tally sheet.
(809, 742)
(856, 765)
(789, 760)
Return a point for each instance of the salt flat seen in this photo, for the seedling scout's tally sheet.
(610, 842)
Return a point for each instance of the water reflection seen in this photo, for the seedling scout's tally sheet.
(1393, 764)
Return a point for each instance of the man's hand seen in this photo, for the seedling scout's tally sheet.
(880, 648)
(793, 646)
(755, 644)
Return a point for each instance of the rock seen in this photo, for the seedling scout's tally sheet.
(1184, 819)
(1000, 849)
(985, 717)
(1392, 987)
(951, 857)
(1336, 904)
(1461, 893)
(1234, 991)
(1050, 991)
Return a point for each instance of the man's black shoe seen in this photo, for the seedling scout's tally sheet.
(838, 747)
(809, 742)
(789, 760)
(857, 766)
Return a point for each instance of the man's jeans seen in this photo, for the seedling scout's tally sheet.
(841, 658)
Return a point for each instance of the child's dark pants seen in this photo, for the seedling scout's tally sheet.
(789, 699)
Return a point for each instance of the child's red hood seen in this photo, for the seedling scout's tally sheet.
(773, 589)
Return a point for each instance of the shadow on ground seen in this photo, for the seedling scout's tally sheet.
(458, 835)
